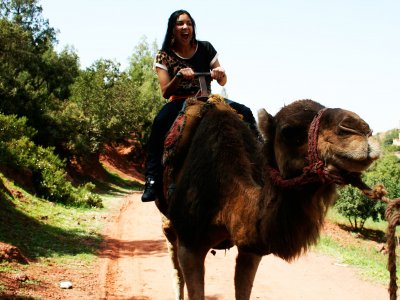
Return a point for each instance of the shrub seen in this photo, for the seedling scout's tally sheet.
(49, 178)
(357, 208)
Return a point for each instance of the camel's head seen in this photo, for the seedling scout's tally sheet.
(342, 140)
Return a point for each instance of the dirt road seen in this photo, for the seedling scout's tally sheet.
(135, 265)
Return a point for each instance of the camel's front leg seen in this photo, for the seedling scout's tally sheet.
(179, 281)
(192, 264)
(245, 272)
(172, 241)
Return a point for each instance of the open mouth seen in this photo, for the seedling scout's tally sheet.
(185, 36)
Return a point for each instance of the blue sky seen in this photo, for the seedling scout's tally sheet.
(341, 53)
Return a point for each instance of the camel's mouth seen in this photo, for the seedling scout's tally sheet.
(356, 160)
(347, 164)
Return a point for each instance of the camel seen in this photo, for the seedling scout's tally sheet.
(224, 188)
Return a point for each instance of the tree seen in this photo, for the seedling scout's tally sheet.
(389, 137)
(149, 99)
(33, 77)
(107, 105)
(15, 54)
(386, 171)
(358, 208)
(28, 15)
(102, 108)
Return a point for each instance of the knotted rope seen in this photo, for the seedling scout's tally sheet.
(315, 171)
(392, 215)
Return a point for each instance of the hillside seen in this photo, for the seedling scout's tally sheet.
(42, 244)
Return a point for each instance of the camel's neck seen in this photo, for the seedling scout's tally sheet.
(291, 219)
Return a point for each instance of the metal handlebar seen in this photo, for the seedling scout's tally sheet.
(199, 74)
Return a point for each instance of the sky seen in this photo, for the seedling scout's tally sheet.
(340, 53)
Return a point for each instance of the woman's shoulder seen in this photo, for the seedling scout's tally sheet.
(207, 46)
(162, 54)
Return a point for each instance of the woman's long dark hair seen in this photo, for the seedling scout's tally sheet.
(171, 24)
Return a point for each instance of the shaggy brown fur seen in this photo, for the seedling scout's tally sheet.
(216, 176)
(224, 192)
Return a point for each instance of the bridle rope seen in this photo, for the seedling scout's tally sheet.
(315, 171)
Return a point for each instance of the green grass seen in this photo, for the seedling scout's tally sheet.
(5, 267)
(114, 185)
(48, 232)
(368, 262)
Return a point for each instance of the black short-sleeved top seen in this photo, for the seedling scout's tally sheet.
(201, 61)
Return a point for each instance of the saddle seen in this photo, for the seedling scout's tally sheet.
(179, 136)
(177, 143)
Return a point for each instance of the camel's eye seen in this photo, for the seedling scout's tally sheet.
(342, 131)
(294, 135)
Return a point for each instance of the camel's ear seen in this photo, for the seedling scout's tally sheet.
(265, 123)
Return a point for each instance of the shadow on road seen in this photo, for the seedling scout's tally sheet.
(118, 248)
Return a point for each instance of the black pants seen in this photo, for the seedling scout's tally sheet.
(163, 122)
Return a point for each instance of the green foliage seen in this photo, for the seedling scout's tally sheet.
(28, 15)
(149, 99)
(100, 110)
(12, 127)
(386, 170)
(32, 75)
(47, 170)
(392, 148)
(15, 55)
(389, 136)
(69, 111)
(108, 105)
(358, 208)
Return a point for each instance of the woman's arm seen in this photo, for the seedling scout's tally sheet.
(169, 86)
(218, 73)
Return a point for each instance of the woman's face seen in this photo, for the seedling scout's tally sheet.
(183, 30)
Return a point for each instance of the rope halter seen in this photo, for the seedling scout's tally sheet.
(315, 171)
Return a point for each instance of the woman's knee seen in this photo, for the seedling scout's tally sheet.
(167, 114)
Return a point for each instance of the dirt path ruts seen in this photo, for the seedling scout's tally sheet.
(135, 265)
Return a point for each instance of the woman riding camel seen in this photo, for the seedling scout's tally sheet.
(180, 57)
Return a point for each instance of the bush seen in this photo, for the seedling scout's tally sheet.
(48, 170)
(12, 127)
(357, 208)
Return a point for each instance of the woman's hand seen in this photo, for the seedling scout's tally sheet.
(186, 73)
(218, 73)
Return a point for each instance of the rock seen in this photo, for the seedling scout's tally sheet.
(21, 277)
(11, 253)
(341, 265)
(66, 284)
